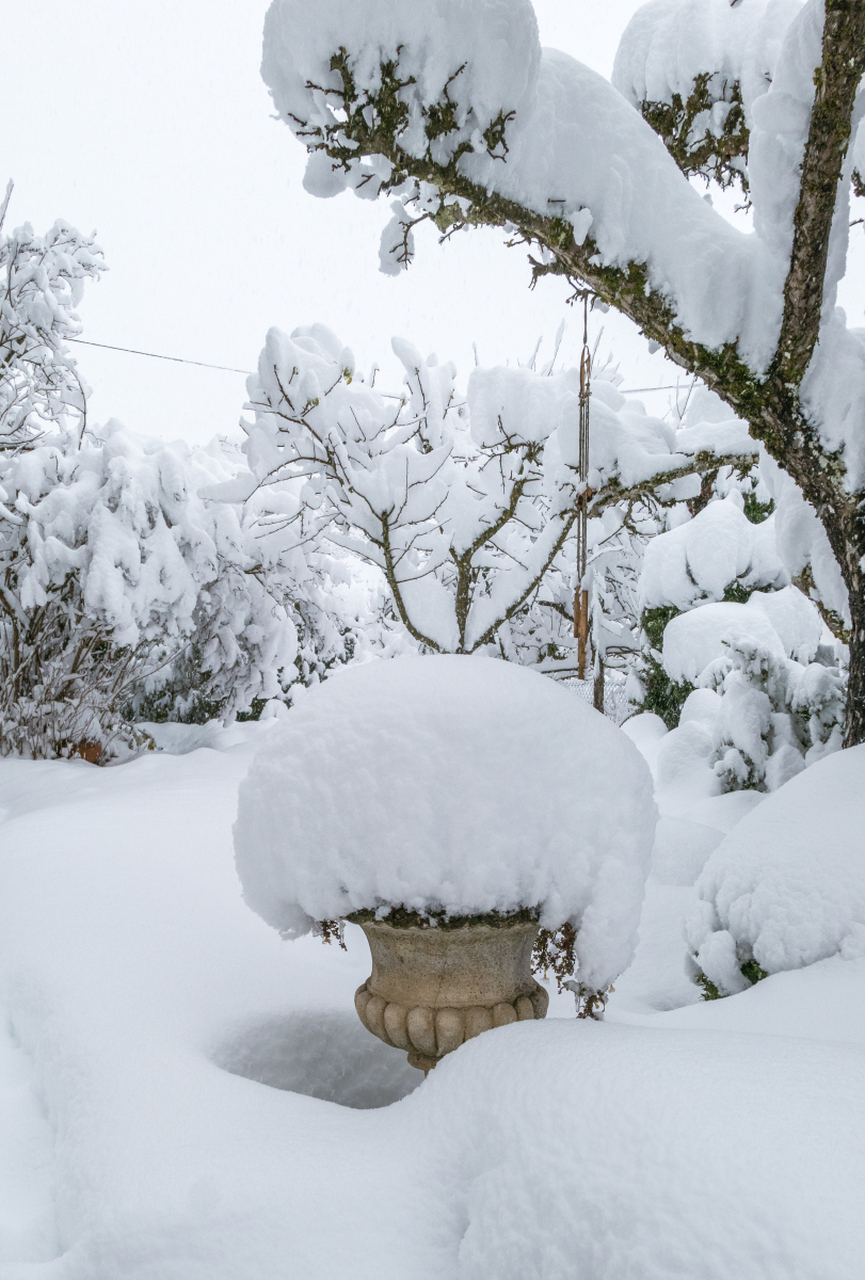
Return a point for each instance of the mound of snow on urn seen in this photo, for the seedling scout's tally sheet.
(450, 786)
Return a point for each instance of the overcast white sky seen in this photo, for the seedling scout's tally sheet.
(150, 123)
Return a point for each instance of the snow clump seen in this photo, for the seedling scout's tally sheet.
(694, 640)
(786, 888)
(669, 43)
(699, 560)
(488, 64)
(450, 784)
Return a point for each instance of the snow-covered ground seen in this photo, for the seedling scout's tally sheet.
(183, 1095)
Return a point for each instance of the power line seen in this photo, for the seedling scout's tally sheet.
(107, 346)
(201, 364)
(630, 391)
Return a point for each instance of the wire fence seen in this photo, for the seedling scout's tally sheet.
(616, 704)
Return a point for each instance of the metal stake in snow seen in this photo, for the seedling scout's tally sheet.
(581, 594)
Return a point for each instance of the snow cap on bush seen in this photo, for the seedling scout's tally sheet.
(694, 640)
(455, 784)
(786, 888)
(778, 711)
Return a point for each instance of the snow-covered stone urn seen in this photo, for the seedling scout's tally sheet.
(435, 984)
(450, 806)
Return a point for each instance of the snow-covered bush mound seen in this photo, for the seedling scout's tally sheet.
(455, 784)
(771, 692)
(786, 888)
(784, 623)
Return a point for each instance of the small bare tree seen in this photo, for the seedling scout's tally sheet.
(466, 504)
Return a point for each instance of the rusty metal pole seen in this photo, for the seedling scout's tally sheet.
(581, 595)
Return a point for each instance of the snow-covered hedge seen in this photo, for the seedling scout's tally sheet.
(786, 888)
(115, 569)
(450, 784)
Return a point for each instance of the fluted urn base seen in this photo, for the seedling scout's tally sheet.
(435, 985)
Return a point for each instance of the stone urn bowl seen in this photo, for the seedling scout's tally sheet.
(437, 982)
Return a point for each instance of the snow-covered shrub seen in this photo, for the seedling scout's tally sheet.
(786, 887)
(719, 555)
(766, 697)
(775, 715)
(456, 785)
(720, 614)
(115, 570)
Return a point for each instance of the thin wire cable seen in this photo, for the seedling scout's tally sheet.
(225, 368)
(153, 355)
(630, 391)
